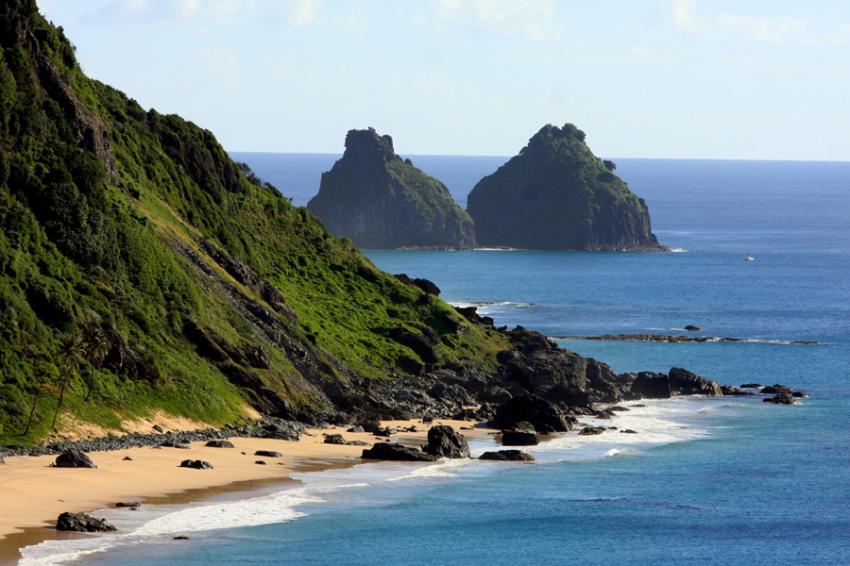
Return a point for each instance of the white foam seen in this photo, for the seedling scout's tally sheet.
(656, 423)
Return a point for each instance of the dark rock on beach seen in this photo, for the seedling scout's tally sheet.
(508, 456)
(82, 523)
(219, 444)
(445, 442)
(398, 452)
(128, 505)
(268, 454)
(73, 459)
(196, 464)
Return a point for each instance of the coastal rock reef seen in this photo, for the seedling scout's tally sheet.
(379, 200)
(557, 195)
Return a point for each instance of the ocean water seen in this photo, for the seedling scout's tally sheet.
(705, 481)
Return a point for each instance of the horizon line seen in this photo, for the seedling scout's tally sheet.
(742, 159)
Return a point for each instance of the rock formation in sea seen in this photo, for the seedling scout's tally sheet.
(557, 195)
(380, 200)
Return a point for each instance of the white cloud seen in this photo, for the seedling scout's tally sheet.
(721, 26)
(531, 19)
(304, 12)
(682, 14)
(771, 30)
(840, 35)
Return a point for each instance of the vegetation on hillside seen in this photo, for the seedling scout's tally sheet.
(142, 270)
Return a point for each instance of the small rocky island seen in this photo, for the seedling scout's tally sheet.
(380, 200)
(557, 195)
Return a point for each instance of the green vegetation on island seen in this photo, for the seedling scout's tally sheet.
(556, 194)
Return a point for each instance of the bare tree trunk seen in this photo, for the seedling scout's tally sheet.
(35, 398)
(59, 404)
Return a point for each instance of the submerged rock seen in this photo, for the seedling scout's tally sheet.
(445, 442)
(399, 452)
(781, 399)
(380, 200)
(556, 194)
(82, 523)
(508, 456)
(73, 458)
(591, 430)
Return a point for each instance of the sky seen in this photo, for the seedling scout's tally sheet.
(745, 79)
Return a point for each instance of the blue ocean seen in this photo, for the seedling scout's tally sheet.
(705, 481)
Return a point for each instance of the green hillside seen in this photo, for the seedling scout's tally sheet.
(143, 270)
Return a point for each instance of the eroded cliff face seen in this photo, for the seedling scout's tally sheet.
(380, 200)
(556, 194)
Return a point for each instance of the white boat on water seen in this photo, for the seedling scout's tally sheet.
(749, 258)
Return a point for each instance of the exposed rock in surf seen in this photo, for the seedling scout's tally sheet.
(445, 442)
(507, 456)
(82, 523)
(398, 452)
(522, 434)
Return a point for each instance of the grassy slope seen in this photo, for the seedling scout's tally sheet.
(89, 272)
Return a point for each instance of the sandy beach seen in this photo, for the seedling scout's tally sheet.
(34, 493)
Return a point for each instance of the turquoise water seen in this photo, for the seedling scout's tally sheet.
(707, 481)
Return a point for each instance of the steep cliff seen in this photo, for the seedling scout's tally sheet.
(557, 195)
(380, 200)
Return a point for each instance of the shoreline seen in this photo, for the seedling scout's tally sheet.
(33, 497)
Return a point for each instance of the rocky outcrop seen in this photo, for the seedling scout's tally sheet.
(398, 452)
(73, 458)
(543, 415)
(82, 523)
(556, 194)
(683, 382)
(507, 456)
(445, 442)
(380, 200)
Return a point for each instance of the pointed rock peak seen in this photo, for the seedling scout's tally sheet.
(550, 133)
(367, 145)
